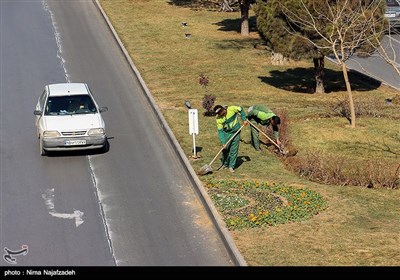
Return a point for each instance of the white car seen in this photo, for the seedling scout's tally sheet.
(68, 118)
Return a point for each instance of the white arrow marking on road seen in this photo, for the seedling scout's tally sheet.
(48, 197)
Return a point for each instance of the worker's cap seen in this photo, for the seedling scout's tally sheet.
(250, 108)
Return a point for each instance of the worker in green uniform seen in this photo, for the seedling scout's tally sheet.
(227, 118)
(259, 114)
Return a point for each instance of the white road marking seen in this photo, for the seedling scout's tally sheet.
(48, 197)
(58, 39)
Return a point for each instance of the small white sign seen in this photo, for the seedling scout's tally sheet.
(193, 122)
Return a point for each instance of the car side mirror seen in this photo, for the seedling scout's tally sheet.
(37, 112)
(103, 109)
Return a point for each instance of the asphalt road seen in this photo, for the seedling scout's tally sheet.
(376, 67)
(134, 205)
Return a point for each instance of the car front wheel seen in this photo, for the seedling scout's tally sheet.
(105, 148)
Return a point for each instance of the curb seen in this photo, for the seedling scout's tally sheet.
(212, 211)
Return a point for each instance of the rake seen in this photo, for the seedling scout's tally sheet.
(205, 169)
(282, 151)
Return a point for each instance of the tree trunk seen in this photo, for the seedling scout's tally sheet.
(351, 102)
(244, 17)
(319, 67)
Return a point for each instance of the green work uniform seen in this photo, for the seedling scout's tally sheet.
(259, 114)
(227, 126)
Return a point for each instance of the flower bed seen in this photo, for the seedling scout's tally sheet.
(253, 204)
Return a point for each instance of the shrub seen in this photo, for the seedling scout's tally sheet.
(368, 107)
(208, 104)
(338, 170)
(208, 99)
(284, 134)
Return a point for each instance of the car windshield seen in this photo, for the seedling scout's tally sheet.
(70, 105)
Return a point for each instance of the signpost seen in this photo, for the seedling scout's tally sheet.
(193, 127)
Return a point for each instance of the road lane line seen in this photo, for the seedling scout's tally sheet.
(58, 40)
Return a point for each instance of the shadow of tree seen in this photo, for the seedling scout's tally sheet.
(302, 80)
(234, 24)
(298, 80)
(196, 4)
(391, 151)
(244, 43)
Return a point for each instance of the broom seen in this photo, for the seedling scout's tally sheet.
(205, 169)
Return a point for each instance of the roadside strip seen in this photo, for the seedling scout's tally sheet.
(212, 211)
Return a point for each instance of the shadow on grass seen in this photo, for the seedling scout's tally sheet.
(391, 151)
(226, 24)
(230, 25)
(241, 44)
(196, 4)
(241, 159)
(198, 149)
(302, 80)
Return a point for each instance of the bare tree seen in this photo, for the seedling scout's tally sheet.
(342, 26)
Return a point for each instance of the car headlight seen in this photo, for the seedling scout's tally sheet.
(51, 133)
(96, 131)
